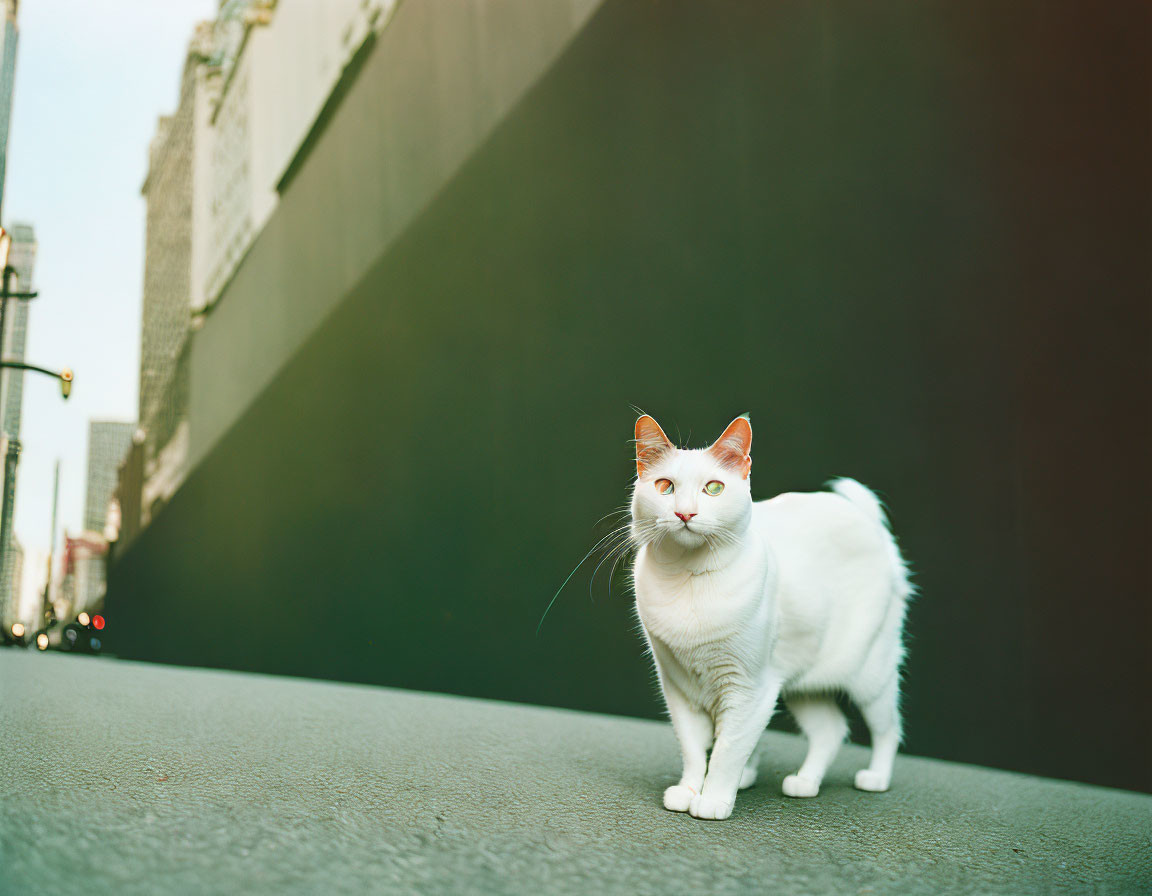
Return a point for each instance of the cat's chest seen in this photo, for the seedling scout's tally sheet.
(711, 663)
(692, 612)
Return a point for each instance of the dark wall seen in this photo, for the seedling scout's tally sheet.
(910, 239)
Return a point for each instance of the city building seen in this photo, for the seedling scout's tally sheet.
(81, 582)
(256, 83)
(29, 600)
(108, 443)
(125, 514)
(279, 66)
(9, 39)
(167, 301)
(22, 258)
(83, 568)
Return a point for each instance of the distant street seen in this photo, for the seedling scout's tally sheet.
(130, 778)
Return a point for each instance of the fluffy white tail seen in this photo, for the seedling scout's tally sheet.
(862, 496)
(865, 499)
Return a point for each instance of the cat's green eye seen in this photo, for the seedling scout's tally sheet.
(714, 487)
(665, 486)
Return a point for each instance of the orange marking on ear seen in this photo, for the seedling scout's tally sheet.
(651, 443)
(734, 447)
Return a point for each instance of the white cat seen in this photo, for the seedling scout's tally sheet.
(802, 596)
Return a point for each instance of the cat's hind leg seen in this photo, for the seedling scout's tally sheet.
(825, 727)
(882, 713)
(751, 769)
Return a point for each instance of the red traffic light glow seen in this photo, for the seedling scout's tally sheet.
(98, 622)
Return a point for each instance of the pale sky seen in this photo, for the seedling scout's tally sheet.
(91, 78)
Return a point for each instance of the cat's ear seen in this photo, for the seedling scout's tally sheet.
(651, 443)
(734, 447)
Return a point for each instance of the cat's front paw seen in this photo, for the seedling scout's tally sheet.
(710, 807)
(874, 782)
(796, 786)
(678, 798)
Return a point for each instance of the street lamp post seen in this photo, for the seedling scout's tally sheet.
(6, 292)
(11, 443)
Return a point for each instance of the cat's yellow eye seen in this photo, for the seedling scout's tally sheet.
(714, 487)
(664, 486)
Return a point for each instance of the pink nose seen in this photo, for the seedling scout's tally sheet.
(685, 516)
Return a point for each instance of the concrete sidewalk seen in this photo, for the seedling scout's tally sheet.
(132, 778)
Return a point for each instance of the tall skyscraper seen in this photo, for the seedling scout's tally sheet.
(10, 37)
(22, 257)
(108, 442)
(167, 257)
(82, 579)
(166, 317)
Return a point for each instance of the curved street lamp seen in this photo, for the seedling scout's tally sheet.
(65, 376)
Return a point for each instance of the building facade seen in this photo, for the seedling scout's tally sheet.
(22, 258)
(9, 39)
(169, 248)
(278, 65)
(108, 443)
(254, 86)
(81, 581)
(82, 578)
(126, 516)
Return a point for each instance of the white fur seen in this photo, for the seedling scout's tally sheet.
(798, 597)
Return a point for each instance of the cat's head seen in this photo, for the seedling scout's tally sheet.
(692, 497)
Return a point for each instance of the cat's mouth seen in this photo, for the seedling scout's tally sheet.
(682, 530)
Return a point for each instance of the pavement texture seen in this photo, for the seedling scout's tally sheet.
(133, 778)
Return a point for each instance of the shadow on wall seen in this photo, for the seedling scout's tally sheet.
(915, 254)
